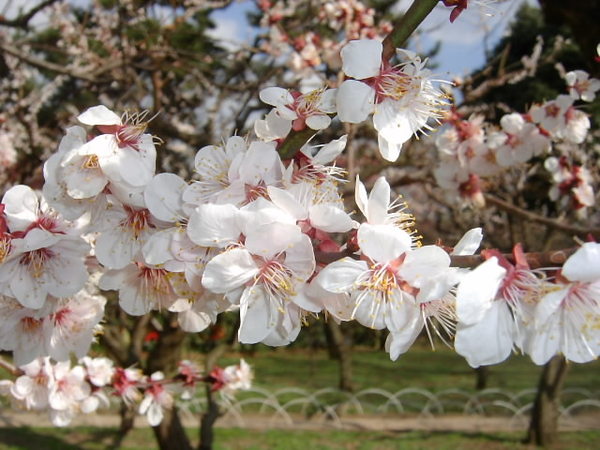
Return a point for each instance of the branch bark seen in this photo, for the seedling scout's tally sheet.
(543, 428)
(22, 21)
(407, 24)
(532, 217)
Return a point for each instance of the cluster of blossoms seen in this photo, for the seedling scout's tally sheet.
(470, 150)
(307, 49)
(66, 391)
(252, 232)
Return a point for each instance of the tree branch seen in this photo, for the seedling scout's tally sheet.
(41, 64)
(532, 217)
(407, 24)
(22, 21)
(536, 260)
(10, 368)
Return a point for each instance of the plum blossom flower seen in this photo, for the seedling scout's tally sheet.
(581, 86)
(567, 317)
(311, 109)
(265, 274)
(232, 379)
(33, 387)
(156, 399)
(494, 304)
(62, 326)
(125, 382)
(236, 174)
(402, 97)
(518, 142)
(143, 287)
(67, 392)
(386, 286)
(43, 263)
(124, 152)
(560, 118)
(123, 232)
(571, 182)
(99, 371)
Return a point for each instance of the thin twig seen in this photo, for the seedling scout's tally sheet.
(22, 21)
(532, 217)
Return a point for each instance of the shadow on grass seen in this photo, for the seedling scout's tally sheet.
(54, 438)
(464, 436)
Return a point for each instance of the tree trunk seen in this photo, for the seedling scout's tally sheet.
(170, 433)
(481, 374)
(127, 416)
(543, 428)
(340, 350)
(208, 420)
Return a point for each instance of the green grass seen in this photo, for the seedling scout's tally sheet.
(420, 367)
(233, 438)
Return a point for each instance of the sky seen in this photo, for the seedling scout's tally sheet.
(463, 43)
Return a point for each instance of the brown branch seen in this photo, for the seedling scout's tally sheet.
(412, 18)
(22, 21)
(41, 64)
(10, 368)
(536, 260)
(532, 217)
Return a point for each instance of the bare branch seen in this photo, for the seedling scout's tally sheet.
(532, 217)
(41, 64)
(23, 20)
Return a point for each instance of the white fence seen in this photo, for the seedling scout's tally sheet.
(288, 404)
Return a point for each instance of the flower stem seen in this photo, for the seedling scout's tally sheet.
(409, 22)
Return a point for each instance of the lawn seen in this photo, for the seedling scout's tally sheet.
(420, 367)
(233, 438)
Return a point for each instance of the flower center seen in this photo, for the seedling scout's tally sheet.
(30, 325)
(90, 162)
(276, 278)
(390, 83)
(137, 221)
(36, 261)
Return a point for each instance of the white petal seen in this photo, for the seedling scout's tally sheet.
(397, 344)
(163, 196)
(330, 218)
(20, 207)
(490, 341)
(477, 290)
(318, 121)
(360, 197)
(99, 115)
(330, 151)
(390, 151)
(272, 239)
(340, 276)
(379, 201)
(257, 315)
(286, 201)
(276, 96)
(383, 243)
(213, 225)
(229, 270)
(355, 101)
(362, 58)
(469, 243)
(327, 101)
(584, 264)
